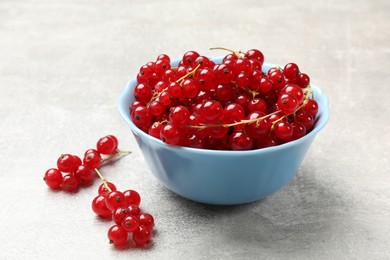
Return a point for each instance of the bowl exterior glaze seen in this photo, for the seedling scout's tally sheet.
(223, 177)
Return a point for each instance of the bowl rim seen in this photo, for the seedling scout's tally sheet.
(319, 124)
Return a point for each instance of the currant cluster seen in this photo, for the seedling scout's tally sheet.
(123, 208)
(229, 106)
(72, 173)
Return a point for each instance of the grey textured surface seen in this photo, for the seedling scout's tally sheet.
(64, 63)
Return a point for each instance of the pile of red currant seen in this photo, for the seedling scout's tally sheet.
(72, 173)
(123, 208)
(229, 106)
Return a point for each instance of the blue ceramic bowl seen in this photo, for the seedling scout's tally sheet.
(223, 177)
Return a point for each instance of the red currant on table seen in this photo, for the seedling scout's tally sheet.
(115, 199)
(142, 235)
(117, 236)
(53, 178)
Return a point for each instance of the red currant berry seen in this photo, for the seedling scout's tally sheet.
(299, 130)
(103, 189)
(265, 85)
(100, 208)
(142, 235)
(147, 220)
(134, 210)
(283, 130)
(240, 141)
(179, 116)
(305, 118)
(156, 108)
(155, 130)
(119, 214)
(225, 92)
(69, 183)
(277, 79)
(117, 236)
(132, 197)
(189, 58)
(233, 113)
(141, 116)
(291, 71)
(130, 223)
(92, 160)
(161, 66)
(224, 73)
(303, 80)
(164, 57)
(84, 176)
(268, 141)
(258, 129)
(170, 134)
(211, 111)
(115, 199)
(254, 54)
(67, 163)
(194, 141)
(257, 105)
(311, 107)
(143, 92)
(242, 79)
(106, 145)
(287, 103)
(53, 178)
(295, 91)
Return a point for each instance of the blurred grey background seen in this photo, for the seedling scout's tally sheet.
(64, 63)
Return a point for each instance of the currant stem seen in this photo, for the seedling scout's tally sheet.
(103, 180)
(118, 154)
(237, 53)
(189, 73)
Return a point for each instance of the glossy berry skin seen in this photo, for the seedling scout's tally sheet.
(69, 183)
(134, 210)
(179, 116)
(119, 214)
(141, 116)
(311, 107)
(67, 163)
(291, 71)
(117, 236)
(170, 134)
(132, 197)
(303, 80)
(100, 208)
(295, 91)
(130, 223)
(142, 235)
(92, 160)
(114, 200)
(84, 175)
(287, 103)
(102, 190)
(240, 141)
(147, 220)
(254, 54)
(283, 130)
(211, 111)
(305, 118)
(299, 130)
(53, 178)
(106, 145)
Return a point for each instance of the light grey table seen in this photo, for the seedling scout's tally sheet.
(64, 63)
